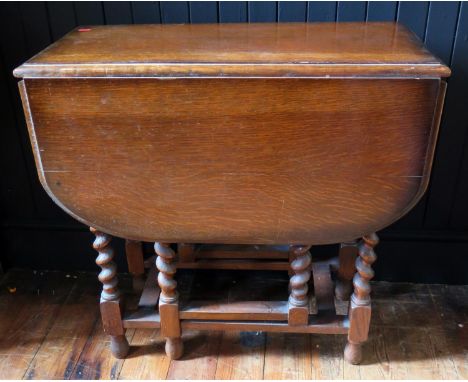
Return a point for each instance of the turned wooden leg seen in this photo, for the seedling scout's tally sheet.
(135, 261)
(168, 300)
(346, 269)
(111, 303)
(360, 305)
(300, 264)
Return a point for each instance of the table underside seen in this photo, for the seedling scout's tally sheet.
(221, 300)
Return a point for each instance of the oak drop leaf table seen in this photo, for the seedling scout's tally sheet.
(237, 134)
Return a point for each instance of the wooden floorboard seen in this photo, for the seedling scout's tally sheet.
(201, 356)
(96, 361)
(51, 329)
(29, 303)
(241, 356)
(287, 356)
(147, 359)
(62, 346)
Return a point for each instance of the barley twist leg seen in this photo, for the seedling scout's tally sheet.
(360, 305)
(111, 304)
(300, 265)
(168, 300)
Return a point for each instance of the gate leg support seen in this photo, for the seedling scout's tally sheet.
(136, 265)
(360, 305)
(346, 269)
(186, 253)
(169, 300)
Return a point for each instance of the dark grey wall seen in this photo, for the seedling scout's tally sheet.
(429, 244)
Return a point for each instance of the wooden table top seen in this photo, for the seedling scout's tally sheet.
(271, 160)
(245, 50)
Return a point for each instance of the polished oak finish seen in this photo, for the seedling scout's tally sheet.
(238, 50)
(195, 159)
(250, 134)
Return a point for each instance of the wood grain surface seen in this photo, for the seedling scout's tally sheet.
(234, 160)
(287, 49)
(418, 331)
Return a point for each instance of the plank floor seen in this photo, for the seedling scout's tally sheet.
(51, 329)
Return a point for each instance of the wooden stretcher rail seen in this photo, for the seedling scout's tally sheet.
(236, 265)
(142, 319)
(324, 325)
(327, 324)
(244, 310)
(270, 252)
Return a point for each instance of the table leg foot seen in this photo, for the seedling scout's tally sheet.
(353, 353)
(119, 346)
(174, 347)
